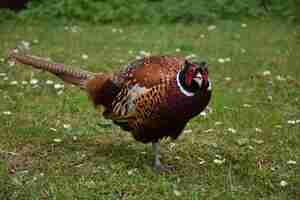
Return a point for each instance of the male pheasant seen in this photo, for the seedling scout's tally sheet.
(153, 97)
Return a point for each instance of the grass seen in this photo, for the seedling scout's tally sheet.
(41, 158)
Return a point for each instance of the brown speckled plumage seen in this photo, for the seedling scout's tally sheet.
(144, 97)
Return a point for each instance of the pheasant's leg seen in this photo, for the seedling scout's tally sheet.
(156, 151)
(157, 163)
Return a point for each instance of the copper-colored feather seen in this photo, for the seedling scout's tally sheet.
(149, 97)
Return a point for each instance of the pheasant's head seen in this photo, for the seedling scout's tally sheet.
(194, 76)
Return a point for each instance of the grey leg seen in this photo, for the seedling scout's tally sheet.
(157, 164)
(156, 151)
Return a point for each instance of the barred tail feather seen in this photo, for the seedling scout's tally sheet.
(76, 77)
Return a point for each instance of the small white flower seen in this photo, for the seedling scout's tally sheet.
(84, 56)
(57, 140)
(211, 27)
(291, 162)
(74, 138)
(266, 73)
(219, 162)
(231, 130)
(5, 78)
(25, 44)
(243, 25)
(280, 78)
(67, 126)
(278, 126)
(227, 59)
(190, 56)
(114, 30)
(258, 130)
(13, 83)
(58, 86)
(218, 123)
(203, 114)
(11, 63)
(60, 92)
(144, 53)
(228, 78)
(178, 50)
(138, 57)
(53, 129)
(209, 130)
(202, 36)
(221, 60)
(243, 50)
(283, 183)
(187, 131)
(291, 121)
(245, 105)
(24, 82)
(34, 81)
(6, 113)
(177, 193)
(2, 74)
(49, 82)
(35, 41)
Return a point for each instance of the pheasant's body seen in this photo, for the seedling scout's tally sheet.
(150, 97)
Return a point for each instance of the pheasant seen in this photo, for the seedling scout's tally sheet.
(153, 97)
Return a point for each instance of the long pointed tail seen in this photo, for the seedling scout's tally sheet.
(77, 77)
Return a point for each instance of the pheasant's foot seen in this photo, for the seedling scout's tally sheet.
(157, 164)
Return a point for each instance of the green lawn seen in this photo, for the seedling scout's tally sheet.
(55, 145)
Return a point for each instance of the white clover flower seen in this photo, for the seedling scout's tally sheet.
(243, 25)
(24, 82)
(11, 63)
(6, 112)
(266, 73)
(34, 81)
(203, 114)
(202, 36)
(245, 105)
(228, 78)
(280, 78)
(219, 161)
(218, 123)
(190, 56)
(60, 92)
(177, 193)
(138, 57)
(13, 83)
(231, 130)
(2, 74)
(84, 56)
(227, 59)
(283, 183)
(258, 130)
(35, 41)
(144, 53)
(67, 126)
(291, 121)
(291, 162)
(221, 60)
(58, 86)
(209, 130)
(5, 78)
(53, 129)
(187, 131)
(25, 44)
(177, 49)
(57, 140)
(49, 82)
(211, 27)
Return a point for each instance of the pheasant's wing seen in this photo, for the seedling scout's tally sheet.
(149, 71)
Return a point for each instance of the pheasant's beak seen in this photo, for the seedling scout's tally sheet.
(198, 79)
